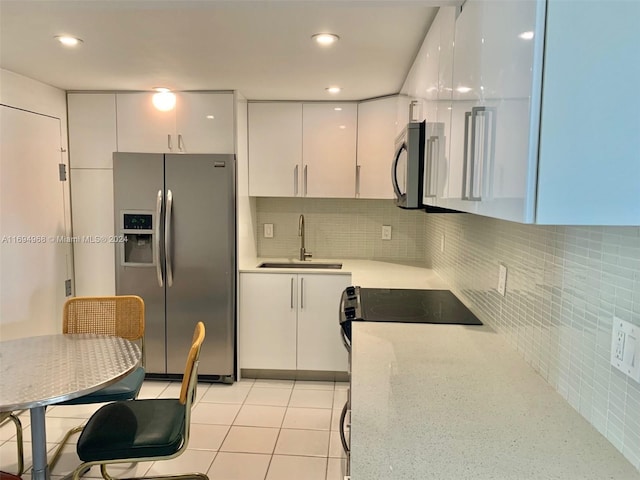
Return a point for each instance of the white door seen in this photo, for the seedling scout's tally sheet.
(204, 122)
(268, 304)
(329, 150)
(143, 128)
(275, 149)
(319, 342)
(33, 257)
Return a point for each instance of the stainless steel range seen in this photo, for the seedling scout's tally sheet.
(393, 305)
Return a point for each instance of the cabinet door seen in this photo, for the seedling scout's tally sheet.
(204, 122)
(329, 150)
(92, 129)
(268, 304)
(275, 149)
(319, 343)
(376, 143)
(143, 128)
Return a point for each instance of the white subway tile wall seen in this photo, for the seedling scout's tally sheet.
(340, 228)
(564, 286)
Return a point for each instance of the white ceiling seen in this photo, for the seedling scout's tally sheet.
(261, 48)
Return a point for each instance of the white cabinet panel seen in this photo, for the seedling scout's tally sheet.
(142, 127)
(319, 342)
(275, 149)
(268, 309)
(204, 122)
(92, 194)
(329, 149)
(188, 128)
(376, 144)
(290, 321)
(92, 129)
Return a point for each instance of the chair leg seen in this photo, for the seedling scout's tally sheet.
(20, 446)
(58, 452)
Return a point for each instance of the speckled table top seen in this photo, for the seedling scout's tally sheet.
(456, 402)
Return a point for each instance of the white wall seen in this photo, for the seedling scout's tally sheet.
(32, 291)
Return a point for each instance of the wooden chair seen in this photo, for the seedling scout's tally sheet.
(4, 416)
(121, 316)
(143, 430)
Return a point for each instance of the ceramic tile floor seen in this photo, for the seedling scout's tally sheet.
(251, 430)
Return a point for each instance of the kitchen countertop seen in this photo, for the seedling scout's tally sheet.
(365, 273)
(456, 402)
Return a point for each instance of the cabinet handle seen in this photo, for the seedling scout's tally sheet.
(305, 180)
(169, 142)
(482, 121)
(295, 181)
(429, 189)
(357, 180)
(465, 156)
(291, 293)
(301, 293)
(180, 143)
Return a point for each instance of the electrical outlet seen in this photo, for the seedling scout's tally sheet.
(502, 280)
(442, 243)
(268, 230)
(386, 232)
(625, 348)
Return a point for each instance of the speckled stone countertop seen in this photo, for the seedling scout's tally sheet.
(455, 402)
(365, 273)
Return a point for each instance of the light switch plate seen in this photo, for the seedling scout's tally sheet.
(625, 348)
(502, 280)
(268, 230)
(386, 232)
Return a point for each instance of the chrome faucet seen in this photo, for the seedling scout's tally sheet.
(303, 252)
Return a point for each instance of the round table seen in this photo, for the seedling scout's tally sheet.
(44, 370)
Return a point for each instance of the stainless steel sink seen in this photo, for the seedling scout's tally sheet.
(323, 266)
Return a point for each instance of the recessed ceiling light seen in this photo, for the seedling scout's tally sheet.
(338, 109)
(210, 117)
(333, 90)
(526, 35)
(68, 40)
(325, 39)
(342, 127)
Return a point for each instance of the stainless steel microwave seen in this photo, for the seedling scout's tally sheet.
(407, 169)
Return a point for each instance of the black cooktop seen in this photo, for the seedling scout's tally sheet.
(412, 306)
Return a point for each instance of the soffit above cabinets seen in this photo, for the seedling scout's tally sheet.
(261, 48)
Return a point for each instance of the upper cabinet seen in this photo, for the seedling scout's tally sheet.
(565, 154)
(377, 130)
(302, 150)
(275, 149)
(199, 123)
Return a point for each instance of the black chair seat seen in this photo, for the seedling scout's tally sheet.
(133, 429)
(125, 389)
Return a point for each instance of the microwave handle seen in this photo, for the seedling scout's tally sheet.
(394, 170)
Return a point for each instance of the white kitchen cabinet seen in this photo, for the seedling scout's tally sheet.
(199, 123)
(377, 122)
(329, 133)
(92, 129)
(533, 155)
(302, 150)
(275, 149)
(290, 321)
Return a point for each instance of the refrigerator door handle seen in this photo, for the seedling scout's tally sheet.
(167, 237)
(156, 246)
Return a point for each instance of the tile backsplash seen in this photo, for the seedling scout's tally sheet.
(564, 286)
(341, 228)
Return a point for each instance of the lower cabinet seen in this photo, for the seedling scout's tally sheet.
(290, 321)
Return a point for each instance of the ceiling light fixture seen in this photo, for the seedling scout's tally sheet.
(333, 90)
(164, 100)
(338, 109)
(325, 39)
(68, 40)
(526, 35)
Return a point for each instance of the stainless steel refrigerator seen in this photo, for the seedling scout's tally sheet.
(176, 213)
